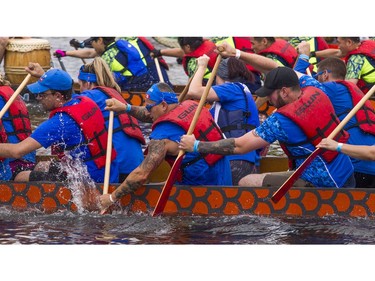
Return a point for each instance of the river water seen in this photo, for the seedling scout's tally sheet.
(219, 248)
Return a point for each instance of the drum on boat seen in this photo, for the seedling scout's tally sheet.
(19, 52)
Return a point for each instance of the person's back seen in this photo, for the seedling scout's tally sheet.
(125, 62)
(233, 108)
(17, 125)
(5, 171)
(96, 82)
(145, 48)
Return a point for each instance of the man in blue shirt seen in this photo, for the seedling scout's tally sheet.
(344, 95)
(75, 131)
(282, 89)
(170, 121)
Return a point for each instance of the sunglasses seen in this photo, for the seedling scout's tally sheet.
(320, 73)
(150, 106)
(43, 95)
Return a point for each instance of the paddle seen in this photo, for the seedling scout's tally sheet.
(109, 153)
(182, 96)
(108, 157)
(164, 195)
(61, 64)
(83, 60)
(297, 173)
(161, 78)
(14, 95)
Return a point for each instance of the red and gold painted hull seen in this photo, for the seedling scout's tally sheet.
(201, 200)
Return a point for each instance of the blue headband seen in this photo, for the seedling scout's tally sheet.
(157, 96)
(86, 76)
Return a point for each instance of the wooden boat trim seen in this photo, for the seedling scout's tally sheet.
(201, 200)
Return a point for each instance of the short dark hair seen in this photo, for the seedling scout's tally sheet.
(164, 87)
(335, 65)
(106, 40)
(67, 94)
(354, 39)
(269, 39)
(193, 42)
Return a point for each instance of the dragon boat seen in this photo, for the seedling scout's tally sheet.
(49, 197)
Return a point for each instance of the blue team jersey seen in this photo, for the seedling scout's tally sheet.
(342, 103)
(5, 172)
(129, 150)
(62, 130)
(232, 98)
(199, 173)
(319, 172)
(11, 137)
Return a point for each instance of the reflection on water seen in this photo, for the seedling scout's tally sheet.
(118, 228)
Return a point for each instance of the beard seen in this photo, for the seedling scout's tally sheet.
(279, 102)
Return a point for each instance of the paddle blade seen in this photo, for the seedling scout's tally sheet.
(292, 179)
(164, 195)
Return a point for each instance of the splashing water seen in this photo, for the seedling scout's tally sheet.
(84, 193)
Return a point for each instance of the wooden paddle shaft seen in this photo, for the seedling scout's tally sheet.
(14, 95)
(182, 96)
(109, 153)
(161, 78)
(202, 101)
(164, 195)
(352, 113)
(289, 182)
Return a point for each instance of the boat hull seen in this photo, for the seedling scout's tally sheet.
(199, 200)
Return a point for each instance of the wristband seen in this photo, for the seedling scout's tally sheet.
(339, 146)
(238, 54)
(313, 54)
(304, 57)
(111, 199)
(128, 107)
(196, 143)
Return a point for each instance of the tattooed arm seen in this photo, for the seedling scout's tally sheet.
(241, 145)
(139, 112)
(157, 150)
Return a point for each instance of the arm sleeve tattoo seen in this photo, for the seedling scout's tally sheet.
(223, 147)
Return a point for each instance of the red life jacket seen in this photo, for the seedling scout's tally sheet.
(314, 114)
(366, 48)
(90, 119)
(208, 48)
(240, 43)
(18, 114)
(285, 52)
(320, 44)
(128, 124)
(366, 114)
(3, 136)
(244, 44)
(205, 130)
(151, 47)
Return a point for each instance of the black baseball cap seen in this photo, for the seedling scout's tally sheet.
(276, 79)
